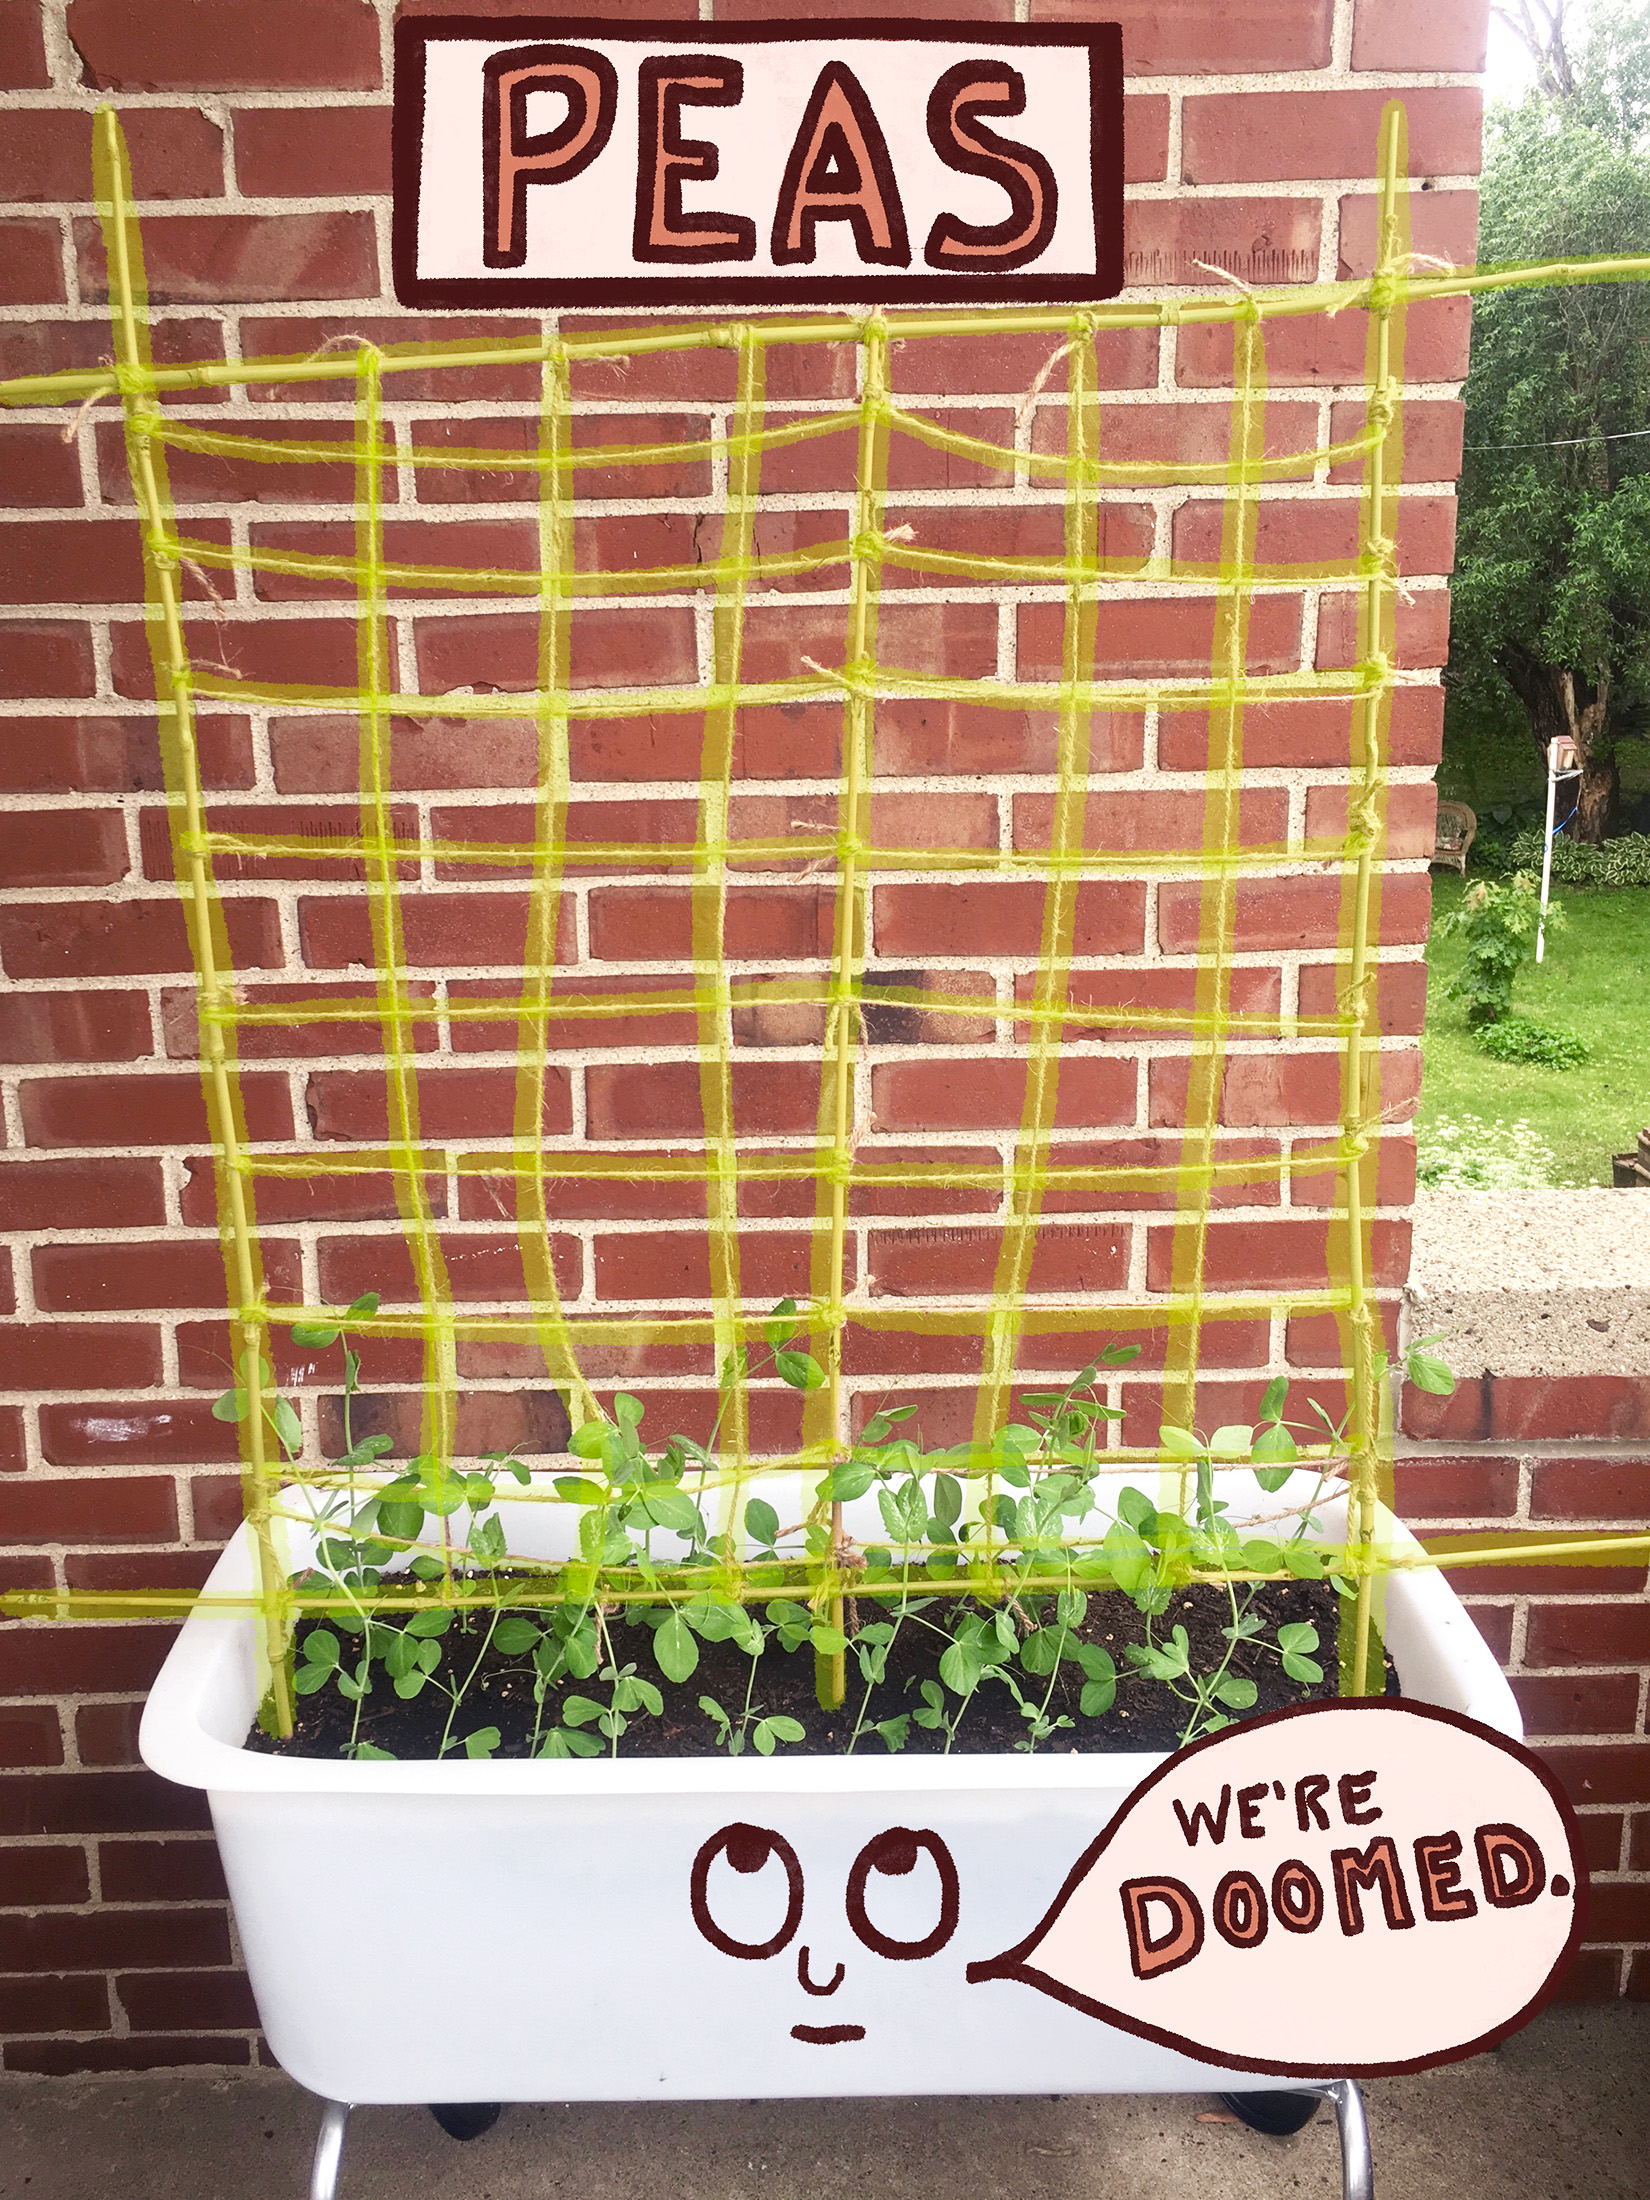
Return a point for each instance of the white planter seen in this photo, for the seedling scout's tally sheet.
(540, 1912)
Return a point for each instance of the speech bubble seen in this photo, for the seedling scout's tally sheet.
(1340, 1890)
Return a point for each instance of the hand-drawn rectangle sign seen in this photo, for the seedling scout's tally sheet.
(549, 161)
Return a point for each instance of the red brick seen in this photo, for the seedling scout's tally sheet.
(1587, 1634)
(1153, 994)
(664, 1099)
(22, 61)
(1619, 1911)
(176, 1432)
(985, 1093)
(286, 652)
(47, 347)
(452, 1103)
(42, 1878)
(137, 1573)
(98, 1939)
(563, 1026)
(206, 1349)
(136, 1110)
(1067, 1258)
(211, 477)
(241, 259)
(604, 472)
(631, 824)
(29, 1734)
(160, 1871)
(1319, 534)
(1256, 1089)
(18, 1575)
(1205, 38)
(107, 1733)
(929, 1196)
(37, 467)
(675, 1264)
(1319, 1340)
(1408, 35)
(8, 1305)
(497, 652)
(80, 1195)
(290, 152)
(175, 153)
(1313, 349)
(90, 1509)
(1292, 912)
(1638, 1855)
(160, 2001)
(1124, 359)
(89, 1802)
(967, 11)
(1493, 1621)
(1455, 1488)
(166, 2051)
(97, 939)
(113, 755)
(1123, 539)
(1122, 820)
(533, 1422)
(62, 847)
(827, 462)
(1591, 1489)
(1616, 1406)
(1443, 224)
(1272, 137)
(1260, 241)
(1422, 630)
(1004, 917)
(481, 1267)
(1427, 437)
(1159, 1190)
(323, 826)
(95, 1279)
(46, 657)
(1400, 993)
(223, 46)
(366, 1198)
(1180, 434)
(1257, 1256)
(1386, 1174)
(1520, 1577)
(1592, 1975)
(655, 923)
(1462, 1417)
(322, 755)
(958, 640)
(1158, 637)
(428, 544)
(1601, 1833)
(50, 2005)
(1315, 731)
(1595, 1703)
(1638, 1977)
(31, 263)
(438, 930)
(74, 1027)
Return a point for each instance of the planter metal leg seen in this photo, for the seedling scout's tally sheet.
(329, 2151)
(1357, 2163)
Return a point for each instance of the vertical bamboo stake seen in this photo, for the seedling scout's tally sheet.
(128, 297)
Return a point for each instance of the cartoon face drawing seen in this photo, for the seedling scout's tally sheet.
(764, 1857)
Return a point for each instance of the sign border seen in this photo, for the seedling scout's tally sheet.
(1102, 41)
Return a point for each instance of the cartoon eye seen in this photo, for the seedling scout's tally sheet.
(747, 1849)
(895, 1852)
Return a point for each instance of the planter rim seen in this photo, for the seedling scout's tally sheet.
(193, 1724)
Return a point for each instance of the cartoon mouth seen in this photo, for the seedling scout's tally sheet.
(827, 2035)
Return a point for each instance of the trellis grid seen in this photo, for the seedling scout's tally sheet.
(851, 855)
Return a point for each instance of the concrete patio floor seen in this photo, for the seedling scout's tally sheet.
(1562, 2108)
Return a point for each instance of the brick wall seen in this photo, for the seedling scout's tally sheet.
(259, 139)
(1562, 1455)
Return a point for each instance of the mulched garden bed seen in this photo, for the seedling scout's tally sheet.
(1145, 1717)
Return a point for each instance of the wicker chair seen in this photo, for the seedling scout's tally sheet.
(1456, 826)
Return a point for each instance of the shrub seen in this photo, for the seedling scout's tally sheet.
(1521, 1039)
(1621, 862)
(1499, 925)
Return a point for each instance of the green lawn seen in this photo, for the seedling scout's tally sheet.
(1542, 1125)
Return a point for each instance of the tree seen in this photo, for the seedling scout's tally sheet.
(1553, 574)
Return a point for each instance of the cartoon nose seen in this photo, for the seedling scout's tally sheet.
(807, 1984)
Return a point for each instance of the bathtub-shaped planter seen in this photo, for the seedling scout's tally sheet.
(540, 1907)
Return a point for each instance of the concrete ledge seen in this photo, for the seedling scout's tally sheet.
(1547, 1283)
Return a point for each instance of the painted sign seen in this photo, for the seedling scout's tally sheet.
(551, 161)
(1349, 1889)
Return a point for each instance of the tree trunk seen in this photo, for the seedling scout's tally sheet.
(1558, 702)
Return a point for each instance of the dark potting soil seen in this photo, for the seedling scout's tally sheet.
(1144, 1716)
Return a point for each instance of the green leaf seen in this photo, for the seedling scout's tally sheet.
(831, 1640)
(375, 1756)
(1302, 1669)
(309, 1678)
(428, 1655)
(799, 1369)
(579, 1710)
(313, 1335)
(407, 1685)
(405, 1522)
(351, 1688)
(1041, 1651)
(1137, 1509)
(482, 1742)
(1097, 1697)
(1236, 1691)
(1299, 1634)
(558, 1743)
(781, 1325)
(1180, 1443)
(367, 1303)
(948, 1499)
(675, 1510)
(770, 1731)
(894, 1731)
(628, 1410)
(230, 1407)
(487, 1540)
(288, 1427)
(321, 1646)
(425, 1567)
(1274, 1443)
(675, 1649)
(1303, 1561)
(514, 1634)
(631, 1693)
(578, 1491)
(1231, 1442)
(847, 1482)
(1260, 1557)
(761, 1521)
(591, 1439)
(1272, 1400)
(1430, 1374)
(960, 1669)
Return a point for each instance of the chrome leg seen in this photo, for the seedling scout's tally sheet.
(1357, 2163)
(329, 2151)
